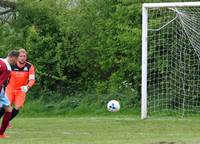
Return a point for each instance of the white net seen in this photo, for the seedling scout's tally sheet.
(173, 60)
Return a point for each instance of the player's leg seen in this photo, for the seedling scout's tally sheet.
(5, 121)
(15, 111)
(2, 111)
(18, 103)
(10, 95)
(10, 92)
(8, 113)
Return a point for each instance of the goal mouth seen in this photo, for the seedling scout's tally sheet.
(171, 59)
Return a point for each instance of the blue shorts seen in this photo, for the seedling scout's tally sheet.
(4, 101)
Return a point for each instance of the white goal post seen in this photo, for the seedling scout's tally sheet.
(170, 33)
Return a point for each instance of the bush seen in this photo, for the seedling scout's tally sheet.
(85, 54)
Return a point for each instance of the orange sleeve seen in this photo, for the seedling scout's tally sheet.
(31, 76)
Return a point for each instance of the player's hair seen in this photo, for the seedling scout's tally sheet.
(13, 53)
(21, 50)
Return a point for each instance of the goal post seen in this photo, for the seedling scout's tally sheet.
(144, 63)
(170, 58)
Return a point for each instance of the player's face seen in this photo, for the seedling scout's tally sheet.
(22, 58)
(13, 60)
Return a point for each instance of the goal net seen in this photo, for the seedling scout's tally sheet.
(171, 59)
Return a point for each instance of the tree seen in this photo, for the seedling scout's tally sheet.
(8, 4)
(8, 9)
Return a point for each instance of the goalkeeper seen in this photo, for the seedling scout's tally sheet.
(22, 78)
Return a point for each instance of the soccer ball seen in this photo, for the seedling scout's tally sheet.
(113, 106)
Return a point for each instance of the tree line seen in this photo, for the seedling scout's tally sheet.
(83, 50)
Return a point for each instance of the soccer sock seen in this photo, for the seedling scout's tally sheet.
(2, 111)
(5, 122)
(14, 113)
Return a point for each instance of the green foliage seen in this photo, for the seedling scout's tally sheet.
(84, 51)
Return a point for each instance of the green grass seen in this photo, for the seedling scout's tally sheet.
(114, 129)
(37, 108)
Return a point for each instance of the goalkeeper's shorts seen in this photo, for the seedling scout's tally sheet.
(16, 97)
(4, 101)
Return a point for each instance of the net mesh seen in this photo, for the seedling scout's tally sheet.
(173, 61)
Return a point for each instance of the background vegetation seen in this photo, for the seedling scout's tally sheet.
(85, 52)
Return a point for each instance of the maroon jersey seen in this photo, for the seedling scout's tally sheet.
(5, 70)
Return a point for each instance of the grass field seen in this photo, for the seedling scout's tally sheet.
(103, 130)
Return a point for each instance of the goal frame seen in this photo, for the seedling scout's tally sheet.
(145, 8)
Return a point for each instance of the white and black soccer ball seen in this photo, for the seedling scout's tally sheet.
(113, 106)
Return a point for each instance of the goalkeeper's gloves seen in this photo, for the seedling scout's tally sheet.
(25, 88)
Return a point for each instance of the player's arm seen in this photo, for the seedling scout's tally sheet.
(31, 80)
